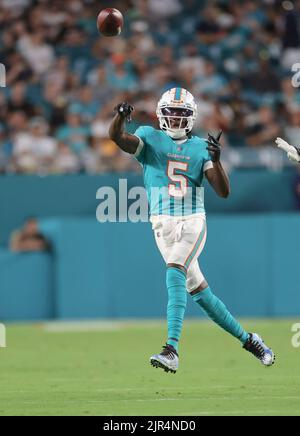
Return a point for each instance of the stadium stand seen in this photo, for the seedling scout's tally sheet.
(63, 78)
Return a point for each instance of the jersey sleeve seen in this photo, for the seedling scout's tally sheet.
(208, 165)
(140, 153)
(207, 162)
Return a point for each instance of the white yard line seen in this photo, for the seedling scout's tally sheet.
(97, 325)
(151, 400)
(117, 324)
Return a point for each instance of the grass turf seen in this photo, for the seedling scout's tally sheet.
(106, 372)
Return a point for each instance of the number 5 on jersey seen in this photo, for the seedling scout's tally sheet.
(177, 179)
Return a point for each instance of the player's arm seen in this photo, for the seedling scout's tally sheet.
(125, 141)
(217, 176)
(293, 152)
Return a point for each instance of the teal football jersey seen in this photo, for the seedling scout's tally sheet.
(173, 172)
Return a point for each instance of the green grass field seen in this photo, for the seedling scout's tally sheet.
(105, 371)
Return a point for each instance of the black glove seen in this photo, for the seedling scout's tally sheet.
(214, 146)
(124, 109)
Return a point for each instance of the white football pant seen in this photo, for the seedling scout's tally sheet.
(181, 241)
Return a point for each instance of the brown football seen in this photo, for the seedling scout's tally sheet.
(110, 22)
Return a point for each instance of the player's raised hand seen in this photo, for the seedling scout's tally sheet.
(124, 110)
(281, 143)
(214, 146)
(293, 152)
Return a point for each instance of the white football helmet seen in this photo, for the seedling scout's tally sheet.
(176, 112)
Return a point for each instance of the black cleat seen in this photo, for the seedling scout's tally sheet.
(258, 348)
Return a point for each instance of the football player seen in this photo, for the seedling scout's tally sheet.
(293, 153)
(175, 163)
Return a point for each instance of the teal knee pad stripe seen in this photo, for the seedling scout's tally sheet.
(176, 284)
(218, 312)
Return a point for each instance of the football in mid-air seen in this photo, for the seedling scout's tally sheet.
(110, 22)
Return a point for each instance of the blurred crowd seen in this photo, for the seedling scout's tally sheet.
(63, 79)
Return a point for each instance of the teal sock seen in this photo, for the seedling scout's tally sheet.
(218, 312)
(176, 284)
